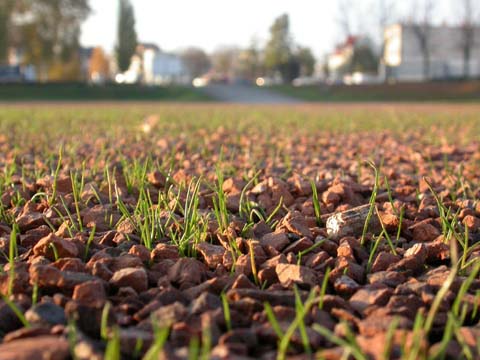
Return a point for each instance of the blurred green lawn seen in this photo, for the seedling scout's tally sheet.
(85, 92)
(411, 92)
(30, 121)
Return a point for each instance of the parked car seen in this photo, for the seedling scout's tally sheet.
(305, 81)
(10, 74)
(358, 78)
(200, 81)
(268, 81)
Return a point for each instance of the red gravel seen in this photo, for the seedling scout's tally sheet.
(251, 265)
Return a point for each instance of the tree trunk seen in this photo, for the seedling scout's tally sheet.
(5, 10)
(421, 32)
(468, 42)
(426, 65)
(466, 62)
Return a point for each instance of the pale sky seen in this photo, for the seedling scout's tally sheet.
(208, 24)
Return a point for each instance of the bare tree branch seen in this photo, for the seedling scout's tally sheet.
(467, 42)
(422, 27)
(386, 13)
(344, 17)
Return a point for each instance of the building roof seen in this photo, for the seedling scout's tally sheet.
(433, 26)
(86, 52)
(148, 46)
(348, 43)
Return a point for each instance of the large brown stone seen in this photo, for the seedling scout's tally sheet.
(370, 295)
(89, 292)
(64, 248)
(187, 272)
(44, 347)
(136, 278)
(289, 274)
(212, 254)
(277, 240)
(164, 251)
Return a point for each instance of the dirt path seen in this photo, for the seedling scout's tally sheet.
(246, 94)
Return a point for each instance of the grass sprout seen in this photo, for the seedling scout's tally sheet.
(160, 336)
(350, 348)
(220, 203)
(372, 201)
(316, 203)
(112, 350)
(16, 310)
(226, 311)
(12, 253)
(53, 198)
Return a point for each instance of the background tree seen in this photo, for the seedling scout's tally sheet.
(325, 69)
(48, 34)
(53, 38)
(364, 58)
(385, 16)
(127, 36)
(250, 61)
(346, 15)
(306, 61)
(99, 66)
(196, 61)
(278, 51)
(469, 21)
(225, 61)
(6, 7)
(420, 21)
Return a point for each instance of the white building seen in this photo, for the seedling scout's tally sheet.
(403, 58)
(134, 73)
(341, 63)
(160, 68)
(339, 59)
(151, 66)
